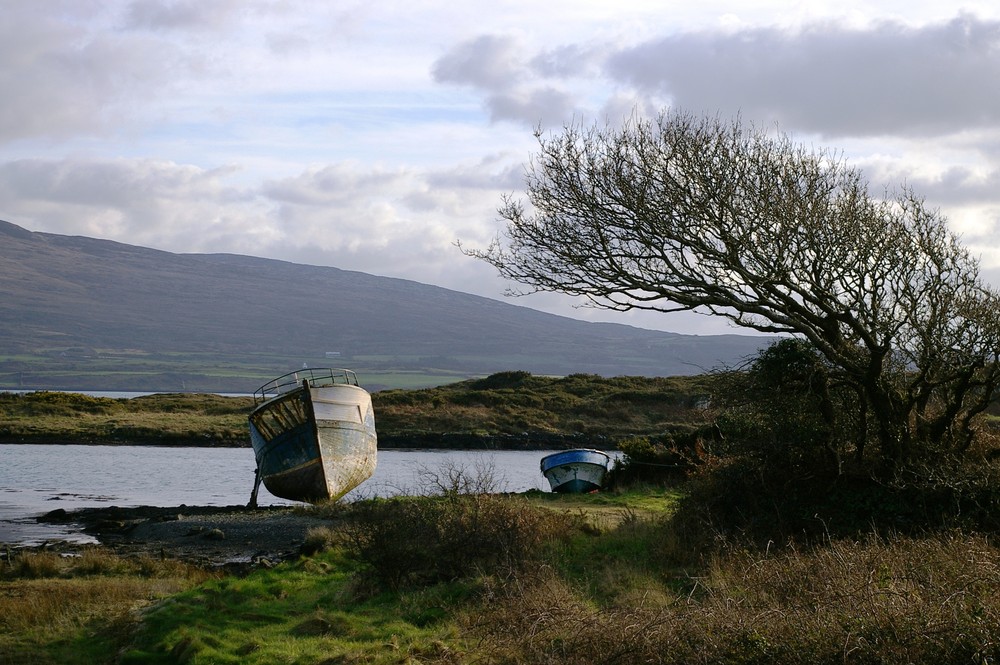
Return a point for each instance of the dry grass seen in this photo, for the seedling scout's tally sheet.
(49, 598)
(33, 604)
(882, 601)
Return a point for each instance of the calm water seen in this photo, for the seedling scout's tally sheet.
(35, 479)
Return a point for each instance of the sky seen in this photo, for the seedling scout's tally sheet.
(376, 136)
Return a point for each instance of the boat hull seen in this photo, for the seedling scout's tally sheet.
(315, 443)
(575, 471)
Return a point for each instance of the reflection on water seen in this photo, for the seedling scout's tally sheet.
(35, 479)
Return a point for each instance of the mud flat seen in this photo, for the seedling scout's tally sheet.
(206, 535)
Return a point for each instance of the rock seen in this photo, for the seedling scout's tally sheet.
(57, 515)
(112, 526)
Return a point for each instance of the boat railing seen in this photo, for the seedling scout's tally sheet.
(316, 378)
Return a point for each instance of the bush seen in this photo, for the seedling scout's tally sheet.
(789, 410)
(500, 380)
(745, 500)
(413, 541)
(668, 457)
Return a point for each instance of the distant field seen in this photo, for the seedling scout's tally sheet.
(126, 370)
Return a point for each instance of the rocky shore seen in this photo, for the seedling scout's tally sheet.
(228, 536)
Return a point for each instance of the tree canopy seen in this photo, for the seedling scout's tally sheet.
(687, 213)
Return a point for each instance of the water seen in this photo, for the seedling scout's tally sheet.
(36, 479)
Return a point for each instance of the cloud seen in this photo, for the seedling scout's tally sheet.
(490, 62)
(830, 79)
(569, 60)
(401, 222)
(531, 91)
(144, 202)
(183, 14)
(347, 208)
(67, 72)
(545, 106)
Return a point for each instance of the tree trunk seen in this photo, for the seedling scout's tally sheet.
(892, 428)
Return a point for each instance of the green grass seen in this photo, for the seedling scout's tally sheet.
(305, 611)
(622, 544)
(407, 380)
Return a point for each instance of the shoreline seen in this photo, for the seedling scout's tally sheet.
(209, 536)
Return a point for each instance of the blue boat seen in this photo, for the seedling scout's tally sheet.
(313, 434)
(576, 471)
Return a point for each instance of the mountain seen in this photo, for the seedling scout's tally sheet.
(65, 300)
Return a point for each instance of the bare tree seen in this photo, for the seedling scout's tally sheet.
(683, 213)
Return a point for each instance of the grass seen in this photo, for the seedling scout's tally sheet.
(130, 369)
(597, 578)
(307, 611)
(81, 608)
(581, 408)
(162, 419)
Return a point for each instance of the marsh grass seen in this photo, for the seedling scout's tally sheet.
(162, 418)
(515, 402)
(878, 601)
(82, 607)
(456, 576)
(568, 590)
(503, 403)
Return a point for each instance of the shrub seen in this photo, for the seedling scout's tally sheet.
(667, 457)
(747, 500)
(501, 380)
(412, 541)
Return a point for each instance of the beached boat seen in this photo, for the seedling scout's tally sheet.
(313, 434)
(576, 471)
